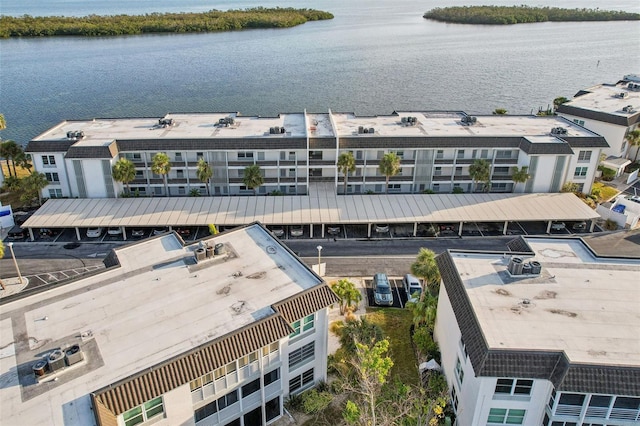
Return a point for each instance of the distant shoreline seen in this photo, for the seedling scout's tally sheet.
(509, 15)
(153, 23)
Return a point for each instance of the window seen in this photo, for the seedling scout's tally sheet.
(250, 388)
(503, 416)
(459, 372)
(400, 154)
(135, 157)
(578, 122)
(503, 171)
(206, 411)
(514, 387)
(624, 145)
(463, 346)
(55, 193)
(178, 156)
(301, 355)
(484, 153)
(266, 350)
(440, 154)
(292, 156)
(271, 376)
(437, 171)
(244, 155)
(315, 155)
(227, 400)
(181, 190)
(199, 155)
(143, 412)
(180, 174)
(552, 399)
(235, 422)
(461, 153)
(584, 156)
(503, 154)
(48, 160)
(139, 174)
(454, 399)
(302, 325)
(580, 172)
(254, 417)
(436, 187)
(52, 177)
(301, 381)
(458, 171)
(272, 408)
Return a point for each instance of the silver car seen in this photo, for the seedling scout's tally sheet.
(382, 294)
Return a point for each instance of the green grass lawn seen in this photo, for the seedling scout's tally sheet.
(606, 192)
(396, 323)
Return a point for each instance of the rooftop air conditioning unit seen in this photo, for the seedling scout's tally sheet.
(164, 122)
(40, 368)
(74, 135)
(558, 131)
(372, 130)
(469, 120)
(74, 354)
(515, 266)
(536, 267)
(360, 129)
(56, 360)
(623, 95)
(628, 108)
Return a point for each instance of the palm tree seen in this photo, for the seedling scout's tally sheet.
(124, 171)
(252, 177)
(633, 137)
(520, 175)
(480, 171)
(32, 186)
(389, 166)
(204, 172)
(10, 150)
(346, 165)
(3, 125)
(162, 166)
(424, 311)
(425, 267)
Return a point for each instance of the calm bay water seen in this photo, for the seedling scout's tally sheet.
(374, 57)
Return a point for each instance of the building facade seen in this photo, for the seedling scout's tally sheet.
(216, 334)
(610, 110)
(293, 150)
(548, 339)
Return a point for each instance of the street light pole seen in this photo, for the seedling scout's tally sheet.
(319, 259)
(15, 262)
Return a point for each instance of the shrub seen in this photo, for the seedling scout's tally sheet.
(428, 191)
(610, 225)
(314, 402)
(425, 344)
(457, 190)
(212, 229)
(294, 402)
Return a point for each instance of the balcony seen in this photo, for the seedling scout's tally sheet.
(506, 160)
(502, 178)
(568, 410)
(465, 160)
(462, 177)
(322, 162)
(243, 163)
(444, 161)
(441, 178)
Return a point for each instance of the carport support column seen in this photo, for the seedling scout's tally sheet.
(369, 230)
(593, 223)
(124, 233)
(549, 226)
(31, 234)
(505, 227)
(78, 233)
(415, 229)
(460, 229)
(311, 230)
(322, 231)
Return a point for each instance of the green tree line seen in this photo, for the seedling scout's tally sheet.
(506, 15)
(212, 21)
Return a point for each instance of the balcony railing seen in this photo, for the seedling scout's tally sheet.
(624, 414)
(506, 160)
(568, 410)
(599, 412)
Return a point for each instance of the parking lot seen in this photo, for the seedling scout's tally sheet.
(399, 295)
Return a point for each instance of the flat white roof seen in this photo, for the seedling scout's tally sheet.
(152, 308)
(321, 207)
(102, 131)
(579, 304)
(606, 98)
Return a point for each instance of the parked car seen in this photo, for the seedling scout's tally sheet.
(278, 231)
(333, 230)
(296, 231)
(382, 228)
(412, 287)
(94, 232)
(16, 233)
(579, 226)
(114, 230)
(138, 233)
(558, 226)
(160, 231)
(382, 294)
(183, 232)
(46, 232)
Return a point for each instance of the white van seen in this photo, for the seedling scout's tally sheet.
(412, 287)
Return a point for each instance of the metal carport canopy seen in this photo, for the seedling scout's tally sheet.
(284, 210)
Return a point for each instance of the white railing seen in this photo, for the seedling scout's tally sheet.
(568, 410)
(599, 412)
(624, 414)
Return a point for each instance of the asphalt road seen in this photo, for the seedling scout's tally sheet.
(343, 257)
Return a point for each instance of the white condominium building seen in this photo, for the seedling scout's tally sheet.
(168, 335)
(547, 334)
(436, 150)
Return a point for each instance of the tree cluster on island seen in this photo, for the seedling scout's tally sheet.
(116, 25)
(507, 15)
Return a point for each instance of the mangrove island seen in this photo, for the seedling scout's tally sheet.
(507, 15)
(212, 21)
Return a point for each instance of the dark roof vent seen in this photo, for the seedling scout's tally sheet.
(469, 120)
(409, 121)
(622, 95)
(558, 131)
(75, 135)
(633, 86)
(628, 108)
(226, 122)
(166, 122)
